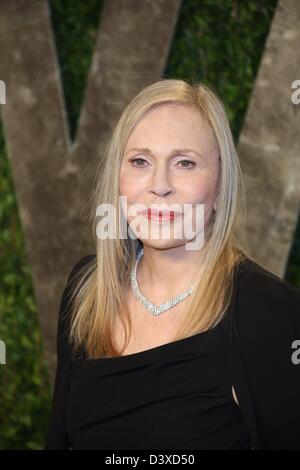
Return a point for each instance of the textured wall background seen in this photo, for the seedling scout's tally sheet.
(70, 68)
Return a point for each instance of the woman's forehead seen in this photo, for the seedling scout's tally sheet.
(167, 131)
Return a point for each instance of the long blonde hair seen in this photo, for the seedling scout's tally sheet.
(100, 296)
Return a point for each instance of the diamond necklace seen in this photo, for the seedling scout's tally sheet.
(154, 309)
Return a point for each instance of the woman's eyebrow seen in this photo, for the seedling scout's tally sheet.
(174, 151)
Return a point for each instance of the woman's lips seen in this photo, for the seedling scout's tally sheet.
(160, 216)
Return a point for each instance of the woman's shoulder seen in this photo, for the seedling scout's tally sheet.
(73, 278)
(76, 272)
(82, 262)
(265, 304)
(257, 285)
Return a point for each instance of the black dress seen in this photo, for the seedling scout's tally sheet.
(178, 395)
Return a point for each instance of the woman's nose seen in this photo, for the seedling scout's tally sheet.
(160, 183)
(161, 192)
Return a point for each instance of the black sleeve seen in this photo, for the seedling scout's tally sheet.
(57, 437)
(267, 376)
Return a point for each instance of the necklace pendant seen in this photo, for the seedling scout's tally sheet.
(154, 309)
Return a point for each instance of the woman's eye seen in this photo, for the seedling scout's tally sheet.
(138, 159)
(188, 161)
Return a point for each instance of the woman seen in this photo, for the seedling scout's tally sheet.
(168, 342)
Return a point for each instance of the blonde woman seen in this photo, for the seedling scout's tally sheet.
(165, 343)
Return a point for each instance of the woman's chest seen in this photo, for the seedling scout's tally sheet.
(147, 330)
(172, 396)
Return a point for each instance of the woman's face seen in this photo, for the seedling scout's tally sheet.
(170, 159)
